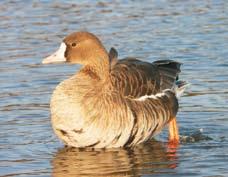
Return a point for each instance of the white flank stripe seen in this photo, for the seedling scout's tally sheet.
(143, 98)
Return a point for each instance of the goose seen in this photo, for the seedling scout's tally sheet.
(111, 102)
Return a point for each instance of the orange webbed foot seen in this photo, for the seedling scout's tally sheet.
(173, 133)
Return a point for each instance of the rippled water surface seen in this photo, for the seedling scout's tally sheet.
(192, 32)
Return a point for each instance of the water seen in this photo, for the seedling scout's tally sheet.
(192, 32)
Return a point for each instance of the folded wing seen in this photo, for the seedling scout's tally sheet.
(135, 78)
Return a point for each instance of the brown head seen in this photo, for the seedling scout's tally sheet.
(82, 48)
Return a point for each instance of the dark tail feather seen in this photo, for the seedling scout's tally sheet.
(169, 71)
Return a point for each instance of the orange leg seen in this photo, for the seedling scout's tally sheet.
(173, 143)
(173, 132)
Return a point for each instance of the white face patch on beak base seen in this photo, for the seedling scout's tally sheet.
(58, 56)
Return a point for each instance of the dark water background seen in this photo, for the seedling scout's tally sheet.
(192, 32)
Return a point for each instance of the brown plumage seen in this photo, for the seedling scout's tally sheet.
(111, 102)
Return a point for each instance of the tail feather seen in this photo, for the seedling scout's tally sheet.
(169, 71)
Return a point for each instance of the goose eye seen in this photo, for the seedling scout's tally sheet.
(73, 44)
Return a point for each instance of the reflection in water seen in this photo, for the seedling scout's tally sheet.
(150, 158)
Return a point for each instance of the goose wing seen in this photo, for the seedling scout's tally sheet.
(134, 78)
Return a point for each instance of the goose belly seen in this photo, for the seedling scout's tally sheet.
(103, 127)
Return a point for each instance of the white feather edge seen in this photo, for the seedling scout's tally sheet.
(143, 98)
(179, 91)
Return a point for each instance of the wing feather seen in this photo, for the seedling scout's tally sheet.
(134, 78)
